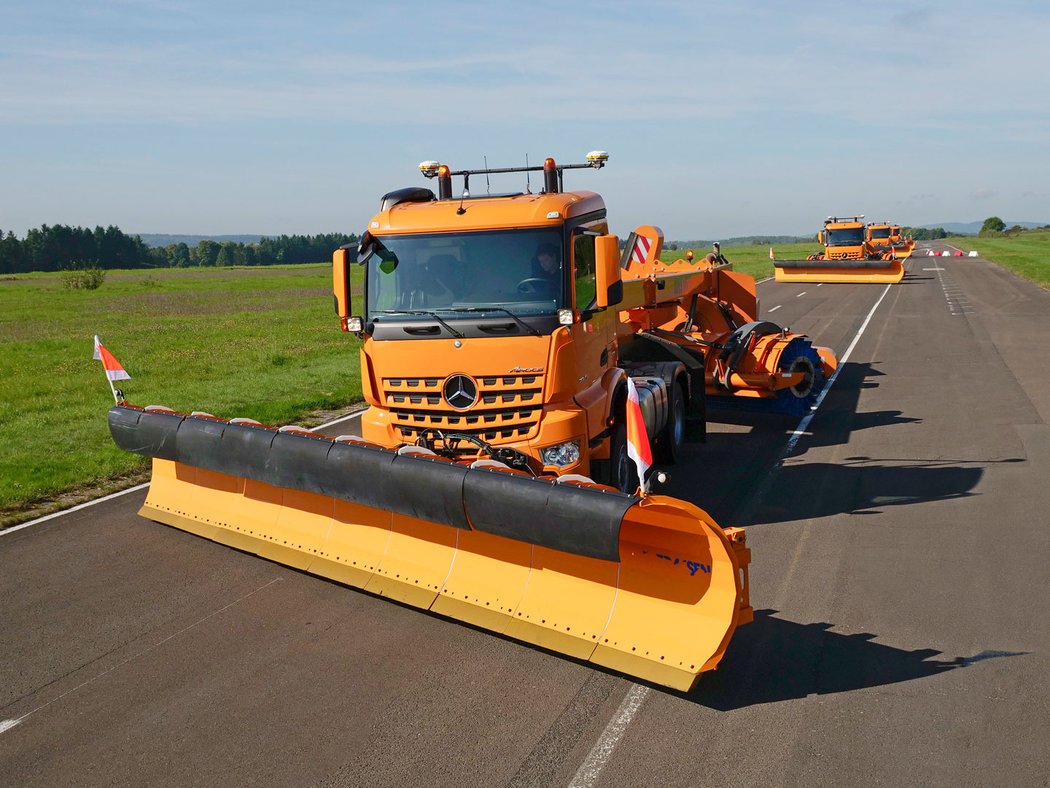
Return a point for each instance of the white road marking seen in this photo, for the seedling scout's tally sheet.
(933, 269)
(774, 309)
(804, 424)
(137, 487)
(801, 294)
(587, 775)
(820, 285)
(760, 281)
(6, 725)
(72, 509)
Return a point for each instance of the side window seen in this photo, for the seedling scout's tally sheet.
(583, 262)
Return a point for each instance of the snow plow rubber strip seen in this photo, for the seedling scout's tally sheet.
(650, 587)
(574, 520)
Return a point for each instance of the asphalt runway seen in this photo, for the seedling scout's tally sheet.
(898, 576)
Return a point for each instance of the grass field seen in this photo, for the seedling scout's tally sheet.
(1026, 254)
(752, 259)
(260, 342)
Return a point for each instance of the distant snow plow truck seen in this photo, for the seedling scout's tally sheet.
(499, 332)
(883, 237)
(847, 256)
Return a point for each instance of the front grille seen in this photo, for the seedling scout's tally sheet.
(507, 409)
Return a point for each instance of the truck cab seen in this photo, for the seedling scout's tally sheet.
(879, 235)
(844, 239)
(488, 316)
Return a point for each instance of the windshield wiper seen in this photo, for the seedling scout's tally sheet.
(514, 317)
(424, 312)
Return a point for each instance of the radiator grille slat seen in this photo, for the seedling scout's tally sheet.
(507, 409)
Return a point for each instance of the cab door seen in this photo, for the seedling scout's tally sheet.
(593, 334)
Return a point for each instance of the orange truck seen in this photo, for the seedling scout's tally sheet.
(465, 333)
(847, 256)
(506, 338)
(884, 237)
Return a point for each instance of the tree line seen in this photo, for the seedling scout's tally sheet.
(924, 233)
(60, 247)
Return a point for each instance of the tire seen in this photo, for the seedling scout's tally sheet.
(621, 473)
(671, 441)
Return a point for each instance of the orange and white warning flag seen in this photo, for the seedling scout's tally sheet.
(771, 257)
(109, 363)
(637, 439)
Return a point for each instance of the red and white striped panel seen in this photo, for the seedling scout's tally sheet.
(641, 249)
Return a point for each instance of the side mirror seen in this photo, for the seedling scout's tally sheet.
(341, 290)
(820, 238)
(608, 284)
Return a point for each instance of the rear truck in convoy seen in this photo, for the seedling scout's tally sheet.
(847, 256)
(492, 482)
(885, 237)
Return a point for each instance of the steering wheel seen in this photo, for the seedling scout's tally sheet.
(534, 285)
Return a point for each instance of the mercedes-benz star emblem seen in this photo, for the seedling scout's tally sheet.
(460, 391)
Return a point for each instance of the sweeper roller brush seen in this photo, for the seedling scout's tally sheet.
(647, 586)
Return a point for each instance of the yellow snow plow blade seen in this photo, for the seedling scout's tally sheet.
(650, 587)
(874, 271)
(903, 251)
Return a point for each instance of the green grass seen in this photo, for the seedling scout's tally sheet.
(262, 343)
(752, 259)
(1026, 254)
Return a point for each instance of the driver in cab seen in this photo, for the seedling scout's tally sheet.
(545, 279)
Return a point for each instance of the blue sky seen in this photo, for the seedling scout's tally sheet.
(167, 116)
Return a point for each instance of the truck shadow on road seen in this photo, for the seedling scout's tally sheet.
(837, 419)
(809, 490)
(775, 660)
(741, 475)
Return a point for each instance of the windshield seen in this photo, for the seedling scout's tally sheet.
(850, 236)
(880, 232)
(519, 271)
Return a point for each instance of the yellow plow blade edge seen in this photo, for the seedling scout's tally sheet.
(886, 272)
(654, 590)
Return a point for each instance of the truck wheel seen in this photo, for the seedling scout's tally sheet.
(622, 473)
(671, 441)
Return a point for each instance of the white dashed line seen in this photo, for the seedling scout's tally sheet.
(801, 294)
(774, 309)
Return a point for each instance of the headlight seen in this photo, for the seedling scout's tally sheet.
(563, 454)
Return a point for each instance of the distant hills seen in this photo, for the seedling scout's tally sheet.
(743, 240)
(972, 228)
(161, 240)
